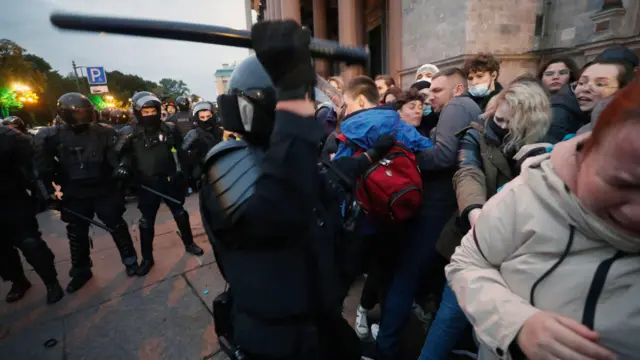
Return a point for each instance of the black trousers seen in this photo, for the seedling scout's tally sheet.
(20, 230)
(149, 203)
(109, 208)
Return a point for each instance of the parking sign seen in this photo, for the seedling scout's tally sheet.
(96, 75)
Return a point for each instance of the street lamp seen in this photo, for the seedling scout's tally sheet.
(108, 97)
(21, 88)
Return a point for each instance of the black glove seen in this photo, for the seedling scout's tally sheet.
(381, 147)
(121, 173)
(283, 49)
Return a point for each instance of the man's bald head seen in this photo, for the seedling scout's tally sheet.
(446, 85)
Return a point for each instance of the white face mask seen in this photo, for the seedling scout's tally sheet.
(479, 90)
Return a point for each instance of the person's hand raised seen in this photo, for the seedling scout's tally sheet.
(547, 336)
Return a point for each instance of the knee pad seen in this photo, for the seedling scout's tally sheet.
(32, 243)
(77, 230)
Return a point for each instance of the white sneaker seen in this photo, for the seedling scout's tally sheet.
(375, 328)
(362, 324)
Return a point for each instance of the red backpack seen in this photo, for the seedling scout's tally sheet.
(391, 189)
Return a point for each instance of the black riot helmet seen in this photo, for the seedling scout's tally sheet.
(206, 106)
(148, 102)
(76, 110)
(183, 103)
(14, 122)
(249, 107)
(138, 95)
(104, 114)
(119, 117)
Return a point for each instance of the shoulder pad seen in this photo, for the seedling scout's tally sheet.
(232, 170)
(48, 132)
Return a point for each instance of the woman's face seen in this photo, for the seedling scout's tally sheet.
(336, 85)
(555, 76)
(608, 182)
(597, 82)
(411, 113)
(503, 115)
(389, 99)
(171, 110)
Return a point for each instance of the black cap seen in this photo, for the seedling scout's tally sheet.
(620, 54)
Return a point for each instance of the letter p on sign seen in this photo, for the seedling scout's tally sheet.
(96, 75)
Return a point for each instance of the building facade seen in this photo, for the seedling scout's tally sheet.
(404, 34)
(223, 75)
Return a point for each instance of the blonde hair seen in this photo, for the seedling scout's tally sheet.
(531, 113)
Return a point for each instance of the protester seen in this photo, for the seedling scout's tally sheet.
(383, 83)
(391, 95)
(482, 74)
(429, 117)
(550, 268)
(426, 72)
(437, 164)
(337, 83)
(486, 162)
(409, 105)
(557, 73)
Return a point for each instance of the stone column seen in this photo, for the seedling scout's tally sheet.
(320, 32)
(347, 22)
(290, 9)
(394, 40)
(361, 23)
(277, 9)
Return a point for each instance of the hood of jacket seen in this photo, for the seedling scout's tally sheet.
(565, 98)
(364, 127)
(548, 176)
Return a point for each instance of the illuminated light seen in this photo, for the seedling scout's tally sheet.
(30, 100)
(108, 97)
(110, 105)
(21, 87)
(23, 99)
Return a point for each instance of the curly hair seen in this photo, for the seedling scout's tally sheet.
(482, 62)
(531, 113)
(407, 97)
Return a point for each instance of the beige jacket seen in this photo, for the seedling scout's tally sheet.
(523, 232)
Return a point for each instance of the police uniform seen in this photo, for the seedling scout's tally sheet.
(182, 118)
(151, 156)
(198, 141)
(80, 156)
(18, 220)
(274, 236)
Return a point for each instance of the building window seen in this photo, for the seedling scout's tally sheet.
(539, 25)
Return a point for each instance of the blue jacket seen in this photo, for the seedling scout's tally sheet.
(364, 127)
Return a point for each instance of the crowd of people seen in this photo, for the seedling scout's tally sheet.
(513, 208)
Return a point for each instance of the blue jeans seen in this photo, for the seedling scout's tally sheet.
(418, 254)
(449, 324)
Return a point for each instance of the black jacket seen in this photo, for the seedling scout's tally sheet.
(81, 163)
(567, 118)
(16, 161)
(281, 253)
(183, 121)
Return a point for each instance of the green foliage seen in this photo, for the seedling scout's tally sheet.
(9, 101)
(173, 87)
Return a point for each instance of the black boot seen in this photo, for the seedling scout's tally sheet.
(79, 278)
(146, 246)
(18, 290)
(123, 241)
(54, 293)
(184, 227)
(79, 245)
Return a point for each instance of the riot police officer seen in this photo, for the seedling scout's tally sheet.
(18, 220)
(199, 140)
(151, 156)
(105, 115)
(118, 119)
(16, 123)
(182, 119)
(273, 227)
(86, 160)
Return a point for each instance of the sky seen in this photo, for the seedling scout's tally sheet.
(26, 22)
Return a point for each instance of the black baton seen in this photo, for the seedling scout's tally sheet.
(210, 34)
(90, 221)
(160, 194)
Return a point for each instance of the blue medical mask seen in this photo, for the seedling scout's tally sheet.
(426, 110)
(480, 90)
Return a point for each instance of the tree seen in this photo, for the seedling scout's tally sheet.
(14, 68)
(174, 87)
(38, 63)
(195, 98)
